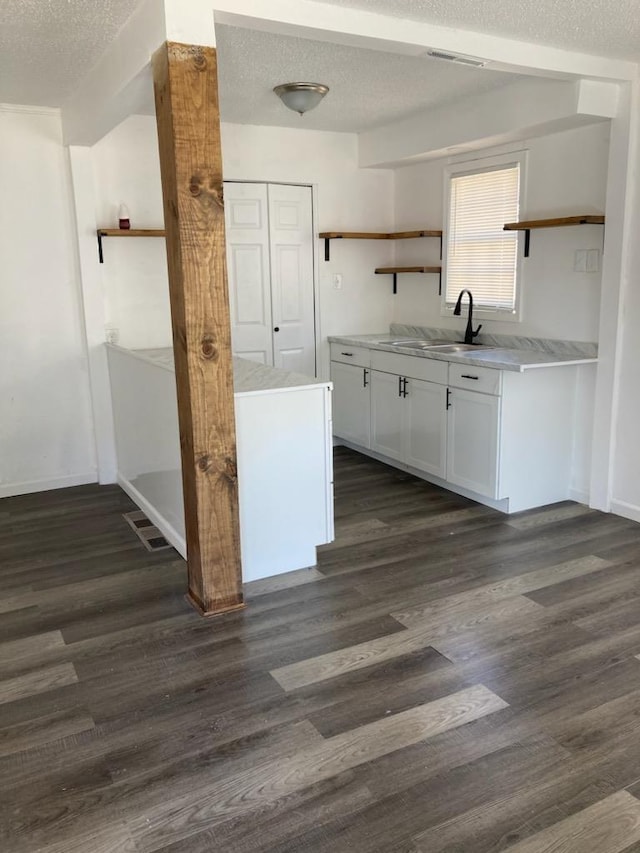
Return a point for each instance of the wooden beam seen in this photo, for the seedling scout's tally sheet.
(186, 91)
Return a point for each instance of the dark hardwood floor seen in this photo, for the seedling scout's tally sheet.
(447, 679)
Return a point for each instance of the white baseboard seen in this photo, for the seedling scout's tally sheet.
(32, 486)
(626, 510)
(168, 530)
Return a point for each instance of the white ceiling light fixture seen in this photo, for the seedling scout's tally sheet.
(301, 97)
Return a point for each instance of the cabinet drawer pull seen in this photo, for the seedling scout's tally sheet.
(448, 398)
(399, 386)
(350, 354)
(468, 376)
(365, 374)
(405, 382)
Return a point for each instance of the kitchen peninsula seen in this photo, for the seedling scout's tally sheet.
(283, 432)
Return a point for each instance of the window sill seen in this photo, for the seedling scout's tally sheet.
(484, 314)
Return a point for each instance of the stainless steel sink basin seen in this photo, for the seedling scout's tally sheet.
(413, 343)
(440, 346)
(460, 347)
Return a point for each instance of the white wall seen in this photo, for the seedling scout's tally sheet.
(566, 174)
(348, 198)
(134, 273)
(625, 486)
(46, 436)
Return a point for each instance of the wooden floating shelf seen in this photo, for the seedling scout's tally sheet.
(383, 270)
(554, 223)
(327, 236)
(377, 235)
(394, 271)
(126, 232)
(559, 222)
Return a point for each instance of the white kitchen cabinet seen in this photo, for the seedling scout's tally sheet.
(508, 438)
(351, 401)
(351, 379)
(387, 414)
(408, 421)
(426, 426)
(473, 438)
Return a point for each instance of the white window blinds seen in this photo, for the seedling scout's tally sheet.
(480, 255)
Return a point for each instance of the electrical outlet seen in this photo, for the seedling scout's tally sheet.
(337, 281)
(111, 334)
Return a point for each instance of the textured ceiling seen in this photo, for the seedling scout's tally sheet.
(367, 87)
(603, 27)
(46, 46)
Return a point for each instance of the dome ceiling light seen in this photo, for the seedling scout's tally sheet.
(301, 97)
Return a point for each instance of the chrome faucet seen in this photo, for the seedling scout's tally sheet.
(469, 334)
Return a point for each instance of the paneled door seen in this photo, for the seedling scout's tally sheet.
(291, 241)
(247, 224)
(270, 265)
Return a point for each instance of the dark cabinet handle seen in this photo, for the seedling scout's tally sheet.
(468, 376)
(405, 382)
(399, 386)
(448, 398)
(350, 354)
(365, 374)
(276, 328)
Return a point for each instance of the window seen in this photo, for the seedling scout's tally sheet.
(480, 255)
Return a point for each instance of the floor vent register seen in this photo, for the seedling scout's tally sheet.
(146, 531)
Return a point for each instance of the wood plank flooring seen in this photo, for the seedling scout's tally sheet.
(447, 679)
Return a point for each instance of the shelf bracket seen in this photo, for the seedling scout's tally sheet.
(440, 283)
(327, 246)
(441, 247)
(100, 255)
(527, 241)
(395, 282)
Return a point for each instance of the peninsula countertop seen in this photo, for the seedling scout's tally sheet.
(249, 377)
(499, 358)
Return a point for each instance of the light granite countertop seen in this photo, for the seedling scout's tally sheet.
(249, 377)
(498, 357)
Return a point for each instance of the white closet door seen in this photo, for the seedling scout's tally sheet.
(247, 226)
(291, 239)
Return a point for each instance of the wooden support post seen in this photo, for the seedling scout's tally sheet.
(186, 91)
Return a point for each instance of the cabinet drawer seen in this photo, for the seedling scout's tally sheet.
(411, 366)
(484, 379)
(345, 353)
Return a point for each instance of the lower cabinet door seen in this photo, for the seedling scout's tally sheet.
(351, 403)
(473, 427)
(426, 426)
(387, 414)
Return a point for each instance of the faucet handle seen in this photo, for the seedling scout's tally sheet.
(477, 331)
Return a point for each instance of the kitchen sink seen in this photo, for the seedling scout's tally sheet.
(413, 343)
(419, 344)
(459, 347)
(440, 346)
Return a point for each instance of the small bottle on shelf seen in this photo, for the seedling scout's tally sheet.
(123, 218)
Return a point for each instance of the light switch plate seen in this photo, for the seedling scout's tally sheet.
(593, 260)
